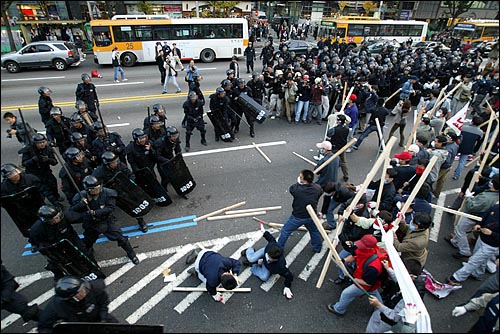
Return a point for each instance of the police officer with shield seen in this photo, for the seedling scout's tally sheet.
(88, 116)
(50, 228)
(38, 161)
(237, 92)
(80, 142)
(78, 166)
(140, 151)
(158, 110)
(219, 115)
(76, 300)
(193, 111)
(111, 165)
(156, 128)
(97, 205)
(107, 141)
(86, 92)
(167, 148)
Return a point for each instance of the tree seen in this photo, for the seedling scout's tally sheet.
(457, 8)
(221, 8)
(146, 7)
(5, 7)
(342, 5)
(368, 6)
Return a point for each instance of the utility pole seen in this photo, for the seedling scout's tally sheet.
(197, 10)
(89, 6)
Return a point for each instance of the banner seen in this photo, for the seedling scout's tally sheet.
(456, 122)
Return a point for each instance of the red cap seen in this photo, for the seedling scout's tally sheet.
(305, 77)
(368, 241)
(353, 97)
(404, 155)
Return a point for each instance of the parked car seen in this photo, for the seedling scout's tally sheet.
(57, 54)
(374, 46)
(429, 45)
(299, 47)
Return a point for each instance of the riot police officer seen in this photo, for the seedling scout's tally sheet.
(242, 89)
(15, 181)
(78, 166)
(194, 86)
(80, 142)
(111, 165)
(78, 125)
(158, 110)
(88, 116)
(140, 152)
(219, 115)
(156, 128)
(45, 103)
(256, 88)
(86, 92)
(107, 141)
(38, 161)
(58, 129)
(97, 206)
(76, 300)
(51, 227)
(167, 148)
(193, 110)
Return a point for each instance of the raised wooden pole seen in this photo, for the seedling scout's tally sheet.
(336, 154)
(486, 135)
(220, 211)
(390, 97)
(455, 212)
(382, 178)
(431, 112)
(346, 98)
(414, 130)
(380, 133)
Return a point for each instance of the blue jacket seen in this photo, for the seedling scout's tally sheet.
(212, 265)
(405, 90)
(352, 112)
(277, 267)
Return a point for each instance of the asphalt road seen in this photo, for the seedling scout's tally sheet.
(224, 177)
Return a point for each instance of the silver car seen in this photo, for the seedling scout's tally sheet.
(57, 54)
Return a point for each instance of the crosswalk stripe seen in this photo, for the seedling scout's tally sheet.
(313, 263)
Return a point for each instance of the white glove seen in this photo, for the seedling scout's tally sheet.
(458, 311)
(218, 297)
(287, 293)
(469, 194)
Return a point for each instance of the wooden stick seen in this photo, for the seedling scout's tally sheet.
(345, 100)
(488, 130)
(486, 122)
(268, 208)
(438, 102)
(382, 178)
(431, 112)
(380, 134)
(455, 212)
(345, 89)
(240, 215)
(261, 152)
(390, 97)
(220, 211)
(472, 161)
(305, 159)
(414, 130)
(336, 154)
(196, 289)
(493, 160)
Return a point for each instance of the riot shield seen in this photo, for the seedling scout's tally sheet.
(147, 181)
(251, 107)
(71, 261)
(179, 175)
(99, 327)
(131, 198)
(220, 125)
(23, 208)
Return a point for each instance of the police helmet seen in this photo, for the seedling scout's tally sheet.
(9, 170)
(172, 131)
(192, 95)
(255, 74)
(47, 213)
(38, 138)
(158, 108)
(154, 120)
(76, 137)
(138, 133)
(80, 105)
(75, 118)
(69, 286)
(229, 71)
(90, 182)
(225, 83)
(44, 90)
(85, 76)
(98, 126)
(56, 111)
(109, 157)
(241, 81)
(72, 152)
(220, 90)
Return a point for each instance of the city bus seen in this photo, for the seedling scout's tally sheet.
(356, 29)
(204, 39)
(476, 30)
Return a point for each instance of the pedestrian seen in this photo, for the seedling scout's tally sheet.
(191, 70)
(76, 300)
(388, 190)
(233, 65)
(273, 262)
(452, 147)
(13, 301)
(317, 91)
(290, 88)
(86, 92)
(96, 205)
(402, 109)
(305, 192)
(79, 46)
(45, 103)
(17, 128)
(250, 56)
(176, 55)
(160, 61)
(367, 275)
(337, 135)
(462, 95)
(117, 67)
(213, 269)
(171, 75)
(302, 105)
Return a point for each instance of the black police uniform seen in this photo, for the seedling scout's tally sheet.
(163, 119)
(112, 142)
(87, 93)
(78, 173)
(45, 105)
(195, 87)
(59, 132)
(138, 157)
(256, 90)
(103, 221)
(13, 301)
(250, 54)
(86, 149)
(166, 151)
(37, 162)
(84, 130)
(250, 119)
(153, 134)
(93, 308)
(194, 119)
(219, 107)
(26, 181)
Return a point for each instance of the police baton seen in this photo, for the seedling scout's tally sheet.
(100, 117)
(240, 117)
(30, 142)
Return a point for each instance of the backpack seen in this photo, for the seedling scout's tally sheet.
(382, 255)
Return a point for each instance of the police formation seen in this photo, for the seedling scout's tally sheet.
(99, 174)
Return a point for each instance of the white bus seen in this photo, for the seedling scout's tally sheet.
(204, 39)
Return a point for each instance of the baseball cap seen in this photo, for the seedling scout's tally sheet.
(414, 148)
(368, 241)
(305, 77)
(413, 77)
(404, 155)
(325, 145)
(353, 97)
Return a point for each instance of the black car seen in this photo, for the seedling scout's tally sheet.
(299, 47)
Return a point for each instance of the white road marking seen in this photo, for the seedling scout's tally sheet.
(7, 321)
(438, 214)
(234, 148)
(313, 263)
(207, 68)
(266, 286)
(121, 83)
(30, 79)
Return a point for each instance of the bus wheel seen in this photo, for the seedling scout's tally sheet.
(128, 59)
(207, 55)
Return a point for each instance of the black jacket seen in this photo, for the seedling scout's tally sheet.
(303, 195)
(44, 106)
(38, 162)
(42, 235)
(78, 173)
(166, 150)
(87, 93)
(138, 157)
(279, 266)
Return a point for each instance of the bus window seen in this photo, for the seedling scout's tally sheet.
(386, 30)
(143, 33)
(101, 36)
(414, 30)
(341, 32)
(490, 32)
(400, 30)
(223, 31)
(164, 32)
(371, 30)
(477, 33)
(237, 31)
(123, 33)
(355, 30)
